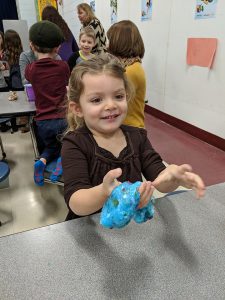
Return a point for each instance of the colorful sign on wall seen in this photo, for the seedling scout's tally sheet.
(146, 10)
(40, 5)
(113, 6)
(92, 5)
(205, 9)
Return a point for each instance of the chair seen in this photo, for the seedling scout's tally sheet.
(3, 122)
(4, 176)
(6, 124)
(38, 147)
(2, 149)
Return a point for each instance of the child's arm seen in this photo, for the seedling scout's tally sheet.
(87, 201)
(73, 60)
(23, 62)
(173, 176)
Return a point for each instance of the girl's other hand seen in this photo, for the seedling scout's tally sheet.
(174, 175)
(146, 190)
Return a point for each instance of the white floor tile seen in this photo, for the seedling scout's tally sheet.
(24, 206)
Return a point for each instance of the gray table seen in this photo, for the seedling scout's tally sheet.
(16, 108)
(180, 254)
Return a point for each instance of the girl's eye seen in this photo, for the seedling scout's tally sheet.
(120, 96)
(96, 100)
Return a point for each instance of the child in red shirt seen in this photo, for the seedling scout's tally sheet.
(49, 78)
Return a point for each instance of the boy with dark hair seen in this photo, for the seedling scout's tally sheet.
(49, 78)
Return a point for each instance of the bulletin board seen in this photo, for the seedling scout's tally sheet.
(41, 4)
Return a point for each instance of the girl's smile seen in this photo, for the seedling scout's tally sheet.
(110, 117)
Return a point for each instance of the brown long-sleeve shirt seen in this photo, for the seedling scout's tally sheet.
(85, 163)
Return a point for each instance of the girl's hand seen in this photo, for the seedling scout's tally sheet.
(110, 181)
(146, 190)
(174, 175)
(2, 67)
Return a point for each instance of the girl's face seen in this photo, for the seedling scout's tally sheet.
(82, 15)
(86, 43)
(103, 104)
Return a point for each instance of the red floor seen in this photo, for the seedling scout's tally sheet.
(176, 146)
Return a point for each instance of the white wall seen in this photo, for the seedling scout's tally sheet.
(69, 13)
(26, 11)
(193, 94)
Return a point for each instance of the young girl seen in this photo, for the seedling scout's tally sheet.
(98, 150)
(13, 49)
(86, 43)
(3, 84)
(1, 45)
(130, 51)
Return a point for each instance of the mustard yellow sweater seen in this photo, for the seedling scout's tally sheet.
(135, 115)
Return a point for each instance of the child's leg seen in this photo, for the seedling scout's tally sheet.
(57, 172)
(48, 131)
(39, 169)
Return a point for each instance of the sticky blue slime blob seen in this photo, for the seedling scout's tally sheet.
(121, 207)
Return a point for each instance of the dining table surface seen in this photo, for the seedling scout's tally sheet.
(179, 254)
(18, 107)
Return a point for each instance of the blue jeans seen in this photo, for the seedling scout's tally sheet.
(49, 131)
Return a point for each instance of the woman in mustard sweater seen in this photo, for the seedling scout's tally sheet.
(125, 42)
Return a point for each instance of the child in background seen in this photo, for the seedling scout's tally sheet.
(98, 149)
(26, 58)
(3, 84)
(125, 42)
(13, 49)
(1, 45)
(49, 78)
(86, 43)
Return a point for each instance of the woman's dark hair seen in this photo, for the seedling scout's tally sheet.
(51, 14)
(125, 40)
(13, 46)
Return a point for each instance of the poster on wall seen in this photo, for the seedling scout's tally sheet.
(113, 6)
(205, 9)
(146, 10)
(92, 5)
(40, 5)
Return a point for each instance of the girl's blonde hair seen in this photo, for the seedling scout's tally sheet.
(90, 14)
(101, 64)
